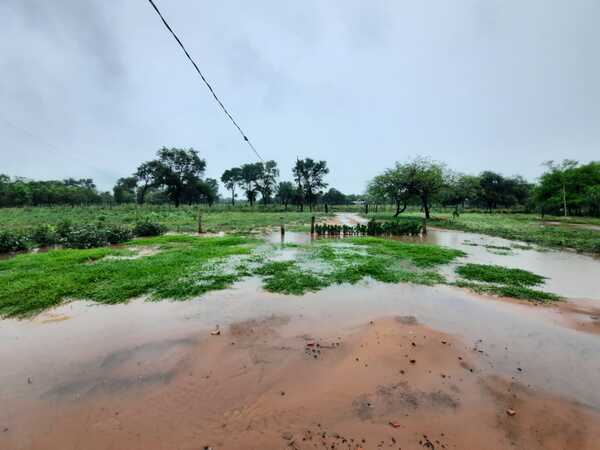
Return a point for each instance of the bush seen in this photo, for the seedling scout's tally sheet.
(43, 235)
(147, 228)
(86, 236)
(396, 227)
(11, 241)
(63, 229)
(116, 234)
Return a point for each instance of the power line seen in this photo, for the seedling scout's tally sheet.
(204, 80)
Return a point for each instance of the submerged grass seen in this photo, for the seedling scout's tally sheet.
(519, 292)
(503, 281)
(499, 274)
(181, 266)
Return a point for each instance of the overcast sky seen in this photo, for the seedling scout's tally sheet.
(91, 88)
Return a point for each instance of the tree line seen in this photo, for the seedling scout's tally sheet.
(177, 176)
(567, 188)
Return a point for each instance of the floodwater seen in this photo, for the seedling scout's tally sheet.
(398, 366)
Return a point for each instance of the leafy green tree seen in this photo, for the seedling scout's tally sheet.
(559, 173)
(124, 190)
(177, 170)
(334, 197)
(251, 174)
(267, 180)
(392, 185)
(146, 178)
(231, 178)
(309, 176)
(286, 193)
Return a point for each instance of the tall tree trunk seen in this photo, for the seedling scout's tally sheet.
(425, 206)
(398, 210)
(232, 197)
(564, 199)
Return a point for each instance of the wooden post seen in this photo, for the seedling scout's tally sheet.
(199, 222)
(312, 225)
(282, 227)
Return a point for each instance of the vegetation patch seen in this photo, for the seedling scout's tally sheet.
(519, 292)
(32, 282)
(499, 274)
(184, 266)
(502, 281)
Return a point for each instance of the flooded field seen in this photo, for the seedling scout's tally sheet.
(368, 366)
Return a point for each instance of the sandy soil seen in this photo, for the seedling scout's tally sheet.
(389, 383)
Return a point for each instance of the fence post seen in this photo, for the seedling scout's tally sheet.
(312, 225)
(282, 227)
(199, 221)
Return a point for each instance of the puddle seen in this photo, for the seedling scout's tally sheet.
(568, 274)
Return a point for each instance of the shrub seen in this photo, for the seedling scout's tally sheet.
(86, 236)
(115, 234)
(11, 241)
(148, 228)
(64, 228)
(43, 235)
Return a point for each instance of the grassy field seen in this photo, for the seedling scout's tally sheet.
(182, 219)
(183, 266)
(521, 227)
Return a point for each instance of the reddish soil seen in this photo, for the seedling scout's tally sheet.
(390, 383)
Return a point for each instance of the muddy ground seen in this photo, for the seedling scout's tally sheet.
(304, 376)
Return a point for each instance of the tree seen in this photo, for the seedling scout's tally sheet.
(124, 190)
(561, 173)
(392, 185)
(177, 170)
(231, 178)
(210, 191)
(250, 176)
(309, 176)
(334, 197)
(145, 175)
(285, 193)
(267, 180)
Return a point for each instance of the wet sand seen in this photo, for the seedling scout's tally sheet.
(391, 383)
(286, 369)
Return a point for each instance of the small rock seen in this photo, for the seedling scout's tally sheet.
(29, 380)
(511, 412)
(216, 331)
(395, 424)
(412, 361)
(287, 436)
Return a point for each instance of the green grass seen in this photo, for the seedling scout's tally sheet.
(519, 292)
(520, 227)
(502, 281)
(182, 219)
(32, 282)
(185, 266)
(499, 274)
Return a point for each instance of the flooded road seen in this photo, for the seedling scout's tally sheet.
(366, 366)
